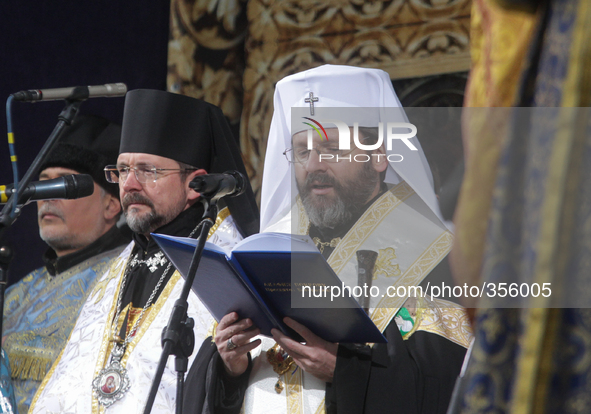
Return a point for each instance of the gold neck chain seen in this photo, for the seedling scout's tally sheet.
(321, 245)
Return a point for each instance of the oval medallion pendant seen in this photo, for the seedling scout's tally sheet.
(112, 382)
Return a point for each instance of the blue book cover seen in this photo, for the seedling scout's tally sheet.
(255, 280)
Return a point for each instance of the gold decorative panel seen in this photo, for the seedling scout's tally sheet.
(406, 38)
(231, 52)
(206, 52)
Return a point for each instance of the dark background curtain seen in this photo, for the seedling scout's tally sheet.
(58, 43)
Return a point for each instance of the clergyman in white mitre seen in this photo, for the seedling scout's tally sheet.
(378, 200)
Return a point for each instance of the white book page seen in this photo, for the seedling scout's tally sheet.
(276, 242)
(193, 242)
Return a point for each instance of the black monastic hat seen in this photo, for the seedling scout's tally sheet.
(190, 131)
(90, 143)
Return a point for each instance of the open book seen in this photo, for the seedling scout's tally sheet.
(255, 280)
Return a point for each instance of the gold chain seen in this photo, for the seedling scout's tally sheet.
(321, 245)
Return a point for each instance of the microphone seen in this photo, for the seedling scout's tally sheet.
(230, 183)
(67, 187)
(72, 93)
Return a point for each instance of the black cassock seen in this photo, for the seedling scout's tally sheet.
(416, 375)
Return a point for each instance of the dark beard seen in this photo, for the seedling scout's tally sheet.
(350, 198)
(146, 223)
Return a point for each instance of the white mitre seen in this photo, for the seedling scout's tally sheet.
(326, 87)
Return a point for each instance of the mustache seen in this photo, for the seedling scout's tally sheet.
(315, 178)
(135, 198)
(49, 208)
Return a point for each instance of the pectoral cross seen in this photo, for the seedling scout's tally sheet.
(311, 99)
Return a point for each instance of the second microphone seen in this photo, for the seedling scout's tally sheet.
(230, 183)
(67, 187)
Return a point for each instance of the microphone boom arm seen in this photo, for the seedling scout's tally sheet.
(65, 118)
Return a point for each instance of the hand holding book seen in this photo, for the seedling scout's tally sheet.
(233, 339)
(255, 280)
(317, 356)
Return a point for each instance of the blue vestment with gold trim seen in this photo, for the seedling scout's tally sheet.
(39, 314)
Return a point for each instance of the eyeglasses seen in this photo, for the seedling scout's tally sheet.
(302, 154)
(143, 173)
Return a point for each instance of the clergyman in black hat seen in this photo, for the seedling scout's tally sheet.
(167, 140)
(41, 309)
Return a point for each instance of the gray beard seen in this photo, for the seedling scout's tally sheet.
(145, 224)
(350, 198)
(148, 222)
(62, 243)
(327, 213)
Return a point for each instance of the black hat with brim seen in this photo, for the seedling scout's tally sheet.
(87, 146)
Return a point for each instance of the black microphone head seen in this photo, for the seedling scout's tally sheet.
(230, 183)
(78, 186)
(240, 182)
(200, 183)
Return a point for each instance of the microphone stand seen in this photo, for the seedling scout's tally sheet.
(65, 118)
(9, 215)
(178, 337)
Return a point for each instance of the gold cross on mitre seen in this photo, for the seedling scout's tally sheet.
(311, 99)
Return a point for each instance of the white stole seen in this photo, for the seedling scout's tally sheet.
(68, 385)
